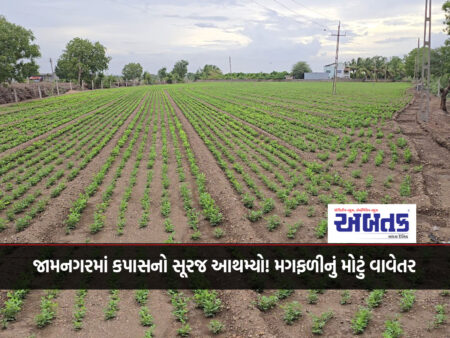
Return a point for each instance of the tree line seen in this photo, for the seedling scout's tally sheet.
(86, 61)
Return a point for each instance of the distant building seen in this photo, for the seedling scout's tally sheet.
(343, 72)
(36, 78)
(43, 77)
(288, 77)
(316, 76)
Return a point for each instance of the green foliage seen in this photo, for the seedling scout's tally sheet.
(113, 305)
(345, 297)
(393, 329)
(292, 312)
(218, 232)
(255, 215)
(210, 210)
(446, 9)
(405, 187)
(361, 320)
(319, 322)
(208, 301)
(265, 303)
(407, 155)
(145, 317)
(401, 142)
(132, 71)
(407, 300)
(321, 228)
(292, 229)
(299, 70)
(17, 52)
(184, 330)
(273, 222)
(179, 70)
(48, 309)
(375, 298)
(313, 296)
(439, 318)
(81, 60)
(80, 309)
(268, 205)
(356, 173)
(215, 326)
(208, 72)
(248, 201)
(369, 181)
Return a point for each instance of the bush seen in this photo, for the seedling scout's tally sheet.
(292, 312)
(265, 303)
(215, 326)
(407, 300)
(320, 321)
(375, 298)
(393, 329)
(268, 205)
(254, 215)
(407, 155)
(361, 320)
(273, 222)
(321, 228)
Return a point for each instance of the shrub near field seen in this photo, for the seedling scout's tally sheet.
(286, 149)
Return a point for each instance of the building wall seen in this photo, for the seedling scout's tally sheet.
(329, 69)
(316, 76)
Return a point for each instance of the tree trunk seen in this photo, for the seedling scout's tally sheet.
(444, 92)
(79, 75)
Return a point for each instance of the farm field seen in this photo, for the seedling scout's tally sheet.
(214, 162)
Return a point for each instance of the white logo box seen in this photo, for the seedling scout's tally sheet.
(371, 223)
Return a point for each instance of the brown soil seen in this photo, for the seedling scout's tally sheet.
(430, 141)
(240, 316)
(236, 225)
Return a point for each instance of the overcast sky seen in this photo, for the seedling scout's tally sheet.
(259, 35)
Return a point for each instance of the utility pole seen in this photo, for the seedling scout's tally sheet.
(336, 59)
(416, 63)
(229, 60)
(51, 65)
(424, 112)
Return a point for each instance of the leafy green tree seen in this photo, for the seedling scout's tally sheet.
(148, 78)
(179, 70)
(395, 68)
(109, 81)
(208, 72)
(410, 58)
(81, 60)
(299, 70)
(17, 52)
(446, 9)
(132, 71)
(162, 74)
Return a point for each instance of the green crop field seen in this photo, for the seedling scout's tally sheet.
(207, 162)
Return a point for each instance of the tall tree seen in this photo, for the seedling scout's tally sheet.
(132, 71)
(81, 60)
(395, 68)
(446, 90)
(162, 74)
(148, 79)
(299, 70)
(17, 52)
(446, 9)
(179, 70)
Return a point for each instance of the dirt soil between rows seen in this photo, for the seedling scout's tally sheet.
(431, 141)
